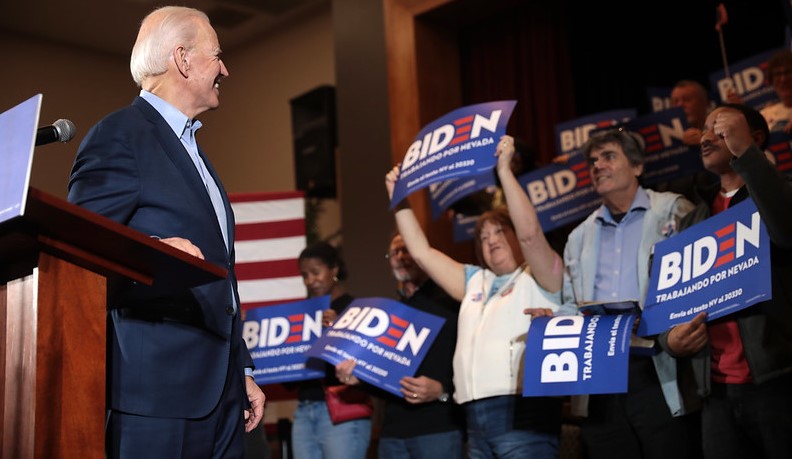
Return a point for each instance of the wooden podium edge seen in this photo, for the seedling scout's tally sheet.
(53, 320)
(77, 234)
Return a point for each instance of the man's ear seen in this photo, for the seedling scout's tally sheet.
(181, 60)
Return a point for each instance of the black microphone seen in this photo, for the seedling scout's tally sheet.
(60, 131)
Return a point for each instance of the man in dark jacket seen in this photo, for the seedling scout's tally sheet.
(743, 362)
(180, 381)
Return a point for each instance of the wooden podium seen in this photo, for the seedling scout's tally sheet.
(55, 261)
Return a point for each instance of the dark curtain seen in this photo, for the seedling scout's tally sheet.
(619, 49)
(522, 53)
(566, 59)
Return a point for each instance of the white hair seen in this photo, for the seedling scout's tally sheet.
(160, 32)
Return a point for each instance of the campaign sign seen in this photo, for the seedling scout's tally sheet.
(459, 144)
(659, 98)
(718, 266)
(780, 145)
(387, 339)
(748, 80)
(575, 355)
(278, 337)
(18, 132)
(666, 156)
(464, 227)
(561, 193)
(443, 195)
(571, 135)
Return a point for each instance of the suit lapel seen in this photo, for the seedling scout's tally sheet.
(223, 195)
(179, 156)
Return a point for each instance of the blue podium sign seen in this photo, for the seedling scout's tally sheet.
(18, 131)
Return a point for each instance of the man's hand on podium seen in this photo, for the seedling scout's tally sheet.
(184, 245)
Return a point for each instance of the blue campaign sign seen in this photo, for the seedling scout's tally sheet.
(387, 339)
(571, 135)
(718, 266)
(779, 144)
(748, 80)
(18, 132)
(279, 336)
(442, 195)
(659, 98)
(459, 144)
(666, 156)
(575, 355)
(561, 193)
(464, 227)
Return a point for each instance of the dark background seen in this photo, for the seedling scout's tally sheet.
(618, 52)
(566, 59)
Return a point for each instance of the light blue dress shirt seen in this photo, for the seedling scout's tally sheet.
(617, 265)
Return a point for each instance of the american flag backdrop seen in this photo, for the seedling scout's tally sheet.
(270, 234)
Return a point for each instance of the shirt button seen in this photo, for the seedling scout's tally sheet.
(230, 310)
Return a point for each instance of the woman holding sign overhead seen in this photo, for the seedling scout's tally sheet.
(518, 268)
(314, 435)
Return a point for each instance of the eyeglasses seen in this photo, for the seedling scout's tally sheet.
(396, 252)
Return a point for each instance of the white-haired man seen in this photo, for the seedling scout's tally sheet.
(177, 364)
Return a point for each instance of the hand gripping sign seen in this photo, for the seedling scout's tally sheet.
(459, 144)
(387, 339)
(720, 265)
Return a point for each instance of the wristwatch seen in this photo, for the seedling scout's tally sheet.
(443, 398)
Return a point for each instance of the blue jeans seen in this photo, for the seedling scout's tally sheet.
(491, 432)
(314, 436)
(445, 444)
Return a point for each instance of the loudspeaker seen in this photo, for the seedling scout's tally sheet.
(314, 137)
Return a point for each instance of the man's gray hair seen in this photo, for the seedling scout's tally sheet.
(160, 32)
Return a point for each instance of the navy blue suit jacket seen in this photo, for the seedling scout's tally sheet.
(169, 351)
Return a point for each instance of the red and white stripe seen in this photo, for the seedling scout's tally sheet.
(270, 234)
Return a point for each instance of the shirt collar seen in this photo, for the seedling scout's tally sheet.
(640, 202)
(178, 121)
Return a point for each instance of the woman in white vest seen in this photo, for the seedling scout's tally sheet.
(518, 270)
